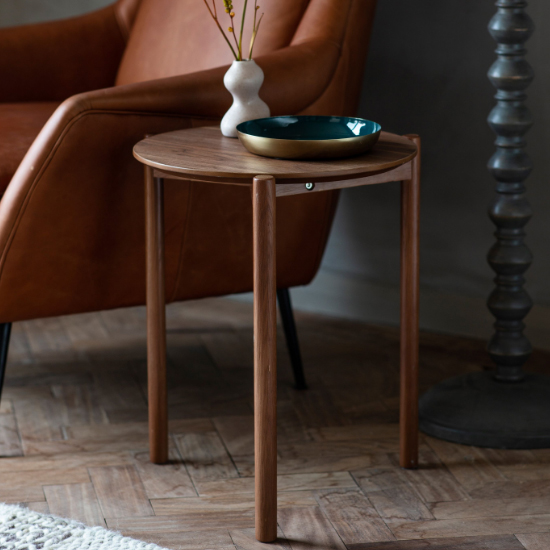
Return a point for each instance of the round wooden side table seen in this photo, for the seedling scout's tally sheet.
(204, 155)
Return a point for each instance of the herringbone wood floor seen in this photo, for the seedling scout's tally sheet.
(73, 439)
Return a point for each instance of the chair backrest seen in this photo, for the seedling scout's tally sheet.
(171, 37)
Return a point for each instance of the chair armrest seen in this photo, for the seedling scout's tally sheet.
(55, 60)
(295, 77)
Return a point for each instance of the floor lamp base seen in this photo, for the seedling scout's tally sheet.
(475, 409)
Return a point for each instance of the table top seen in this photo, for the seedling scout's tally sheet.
(204, 154)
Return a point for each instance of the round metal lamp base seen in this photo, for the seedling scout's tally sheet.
(475, 409)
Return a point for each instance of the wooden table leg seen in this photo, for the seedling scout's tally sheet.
(410, 225)
(265, 357)
(156, 318)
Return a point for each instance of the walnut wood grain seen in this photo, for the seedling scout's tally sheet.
(205, 457)
(392, 495)
(167, 480)
(204, 153)
(76, 501)
(353, 517)
(120, 492)
(265, 357)
(308, 528)
(410, 291)
(156, 319)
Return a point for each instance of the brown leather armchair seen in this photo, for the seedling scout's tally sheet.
(77, 94)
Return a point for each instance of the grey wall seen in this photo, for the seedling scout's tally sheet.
(426, 74)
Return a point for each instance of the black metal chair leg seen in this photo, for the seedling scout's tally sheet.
(5, 331)
(289, 326)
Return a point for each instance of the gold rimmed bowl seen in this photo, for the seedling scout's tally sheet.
(309, 137)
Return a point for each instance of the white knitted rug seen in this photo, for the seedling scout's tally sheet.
(23, 529)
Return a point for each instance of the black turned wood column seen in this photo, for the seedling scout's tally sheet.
(506, 408)
(510, 166)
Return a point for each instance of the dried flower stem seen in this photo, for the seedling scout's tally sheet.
(242, 29)
(215, 17)
(255, 28)
(238, 54)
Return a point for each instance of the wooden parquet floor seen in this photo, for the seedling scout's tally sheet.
(73, 439)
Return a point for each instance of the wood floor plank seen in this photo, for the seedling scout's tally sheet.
(84, 328)
(45, 374)
(185, 540)
(393, 496)
(120, 492)
(513, 489)
(40, 506)
(323, 456)
(48, 337)
(290, 482)
(211, 506)
(75, 390)
(118, 388)
(192, 521)
(80, 403)
(230, 349)
(491, 508)
(506, 542)
(316, 408)
(515, 465)
(433, 481)
(77, 501)
(39, 417)
(37, 478)
(403, 529)
(353, 517)
(237, 433)
(19, 350)
(535, 541)
(355, 432)
(308, 529)
(245, 539)
(73, 446)
(190, 425)
(469, 465)
(33, 493)
(166, 480)
(206, 457)
(63, 462)
(10, 443)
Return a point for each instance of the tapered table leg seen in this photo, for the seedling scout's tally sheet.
(410, 225)
(265, 357)
(156, 318)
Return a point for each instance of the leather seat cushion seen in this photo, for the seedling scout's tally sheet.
(20, 124)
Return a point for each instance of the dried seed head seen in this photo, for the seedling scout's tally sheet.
(232, 14)
(230, 29)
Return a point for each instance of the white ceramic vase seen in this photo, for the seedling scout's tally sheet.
(244, 80)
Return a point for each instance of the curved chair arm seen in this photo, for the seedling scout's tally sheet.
(294, 78)
(55, 60)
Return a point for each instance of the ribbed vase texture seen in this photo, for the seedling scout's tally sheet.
(243, 80)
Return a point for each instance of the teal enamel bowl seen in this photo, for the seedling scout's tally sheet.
(309, 137)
